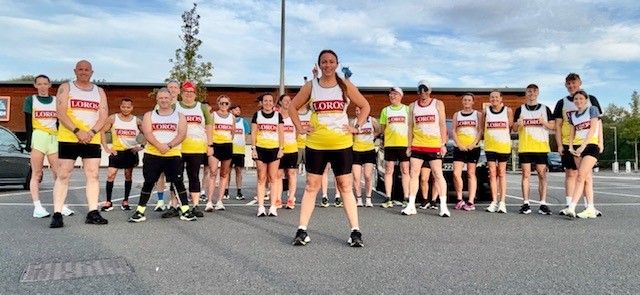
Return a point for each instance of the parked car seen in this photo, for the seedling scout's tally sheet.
(15, 161)
(554, 162)
(483, 191)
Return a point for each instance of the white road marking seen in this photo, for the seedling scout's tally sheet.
(42, 191)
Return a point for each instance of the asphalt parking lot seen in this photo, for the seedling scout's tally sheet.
(233, 251)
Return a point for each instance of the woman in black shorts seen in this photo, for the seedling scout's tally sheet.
(364, 158)
(267, 142)
(289, 161)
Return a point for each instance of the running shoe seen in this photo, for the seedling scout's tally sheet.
(56, 220)
(203, 197)
(159, 206)
(409, 210)
(588, 213)
(544, 210)
(598, 213)
(66, 211)
(493, 207)
(355, 240)
(324, 203)
(171, 212)
(302, 238)
(226, 195)
(252, 202)
(469, 207)
(561, 213)
(273, 211)
(40, 212)
(219, 206)
(359, 202)
(568, 212)
(502, 207)
(387, 204)
(125, 206)
(240, 196)
(338, 203)
(108, 206)
(397, 203)
(188, 216)
(404, 203)
(94, 217)
(196, 212)
(261, 212)
(424, 205)
(208, 207)
(433, 205)
(444, 212)
(278, 203)
(525, 209)
(137, 217)
(367, 203)
(291, 203)
(459, 205)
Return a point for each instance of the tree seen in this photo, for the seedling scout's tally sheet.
(635, 104)
(614, 114)
(187, 64)
(31, 78)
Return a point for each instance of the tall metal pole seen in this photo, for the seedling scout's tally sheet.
(615, 143)
(282, 50)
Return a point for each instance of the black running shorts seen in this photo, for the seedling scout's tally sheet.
(73, 150)
(471, 156)
(289, 161)
(341, 161)
(361, 158)
(530, 158)
(223, 151)
(126, 159)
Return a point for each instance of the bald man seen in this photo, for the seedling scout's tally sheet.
(82, 112)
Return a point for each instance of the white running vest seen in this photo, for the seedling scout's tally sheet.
(568, 107)
(267, 136)
(239, 141)
(533, 137)
(328, 118)
(426, 126)
(82, 109)
(222, 128)
(582, 123)
(290, 143)
(196, 140)
(124, 133)
(396, 132)
(467, 127)
(363, 140)
(496, 133)
(44, 116)
(165, 129)
(304, 122)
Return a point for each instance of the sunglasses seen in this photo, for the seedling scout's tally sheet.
(224, 103)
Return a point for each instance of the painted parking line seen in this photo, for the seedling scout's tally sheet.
(42, 191)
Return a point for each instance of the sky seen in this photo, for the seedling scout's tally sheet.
(384, 42)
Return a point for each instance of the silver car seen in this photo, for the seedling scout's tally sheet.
(15, 161)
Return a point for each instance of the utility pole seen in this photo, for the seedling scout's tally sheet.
(282, 50)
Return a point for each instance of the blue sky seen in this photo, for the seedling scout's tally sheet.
(451, 43)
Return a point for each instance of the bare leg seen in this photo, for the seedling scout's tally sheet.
(368, 179)
(345, 186)
(472, 182)
(61, 186)
(388, 178)
(406, 178)
(457, 178)
(37, 161)
(309, 198)
(526, 175)
(356, 170)
(91, 170)
(502, 180)
(542, 182)
(493, 181)
(261, 168)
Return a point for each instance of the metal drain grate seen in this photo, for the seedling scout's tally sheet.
(72, 270)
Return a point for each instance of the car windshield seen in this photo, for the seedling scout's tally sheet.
(8, 142)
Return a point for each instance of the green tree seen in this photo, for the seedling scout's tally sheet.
(635, 104)
(187, 64)
(614, 114)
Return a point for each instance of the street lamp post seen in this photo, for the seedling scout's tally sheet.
(615, 148)
(282, 50)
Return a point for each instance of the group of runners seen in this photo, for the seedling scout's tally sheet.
(311, 130)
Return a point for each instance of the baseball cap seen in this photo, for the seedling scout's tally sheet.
(397, 89)
(188, 85)
(424, 84)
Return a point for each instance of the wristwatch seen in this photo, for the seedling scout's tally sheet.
(76, 130)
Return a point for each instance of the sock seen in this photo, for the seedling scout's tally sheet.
(585, 202)
(355, 228)
(302, 227)
(572, 206)
(568, 199)
(412, 201)
(37, 204)
(109, 190)
(239, 192)
(184, 208)
(590, 206)
(543, 202)
(526, 202)
(160, 196)
(127, 189)
(443, 201)
(226, 192)
(141, 209)
(201, 192)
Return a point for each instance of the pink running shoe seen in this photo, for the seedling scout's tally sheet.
(469, 207)
(459, 205)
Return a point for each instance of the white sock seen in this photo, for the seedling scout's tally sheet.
(412, 201)
(543, 202)
(568, 200)
(443, 201)
(355, 228)
(37, 204)
(526, 202)
(572, 206)
(302, 227)
(585, 203)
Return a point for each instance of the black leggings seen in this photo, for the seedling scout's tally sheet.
(192, 163)
(156, 165)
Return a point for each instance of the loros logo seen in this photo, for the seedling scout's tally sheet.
(532, 122)
(126, 132)
(223, 127)
(84, 104)
(426, 119)
(497, 124)
(328, 105)
(583, 126)
(193, 119)
(366, 131)
(289, 128)
(268, 127)
(45, 114)
(397, 119)
(467, 123)
(164, 126)
(239, 131)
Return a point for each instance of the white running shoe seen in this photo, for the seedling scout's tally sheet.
(444, 212)
(367, 202)
(261, 212)
(252, 202)
(409, 210)
(208, 207)
(493, 207)
(273, 211)
(219, 206)
(359, 204)
(40, 212)
(159, 206)
(66, 211)
(502, 207)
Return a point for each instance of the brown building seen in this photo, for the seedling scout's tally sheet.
(245, 96)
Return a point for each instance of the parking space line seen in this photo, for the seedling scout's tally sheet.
(43, 191)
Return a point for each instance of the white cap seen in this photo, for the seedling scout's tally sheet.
(397, 89)
(424, 83)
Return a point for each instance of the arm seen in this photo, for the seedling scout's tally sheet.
(454, 135)
(298, 101)
(510, 116)
(280, 140)
(254, 132)
(410, 128)
(377, 130)
(572, 134)
(208, 128)
(595, 123)
(103, 137)
(62, 104)
(517, 120)
(182, 132)
(141, 140)
(557, 115)
(103, 112)
(479, 129)
(443, 127)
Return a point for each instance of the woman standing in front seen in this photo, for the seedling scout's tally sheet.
(583, 144)
(329, 140)
(289, 161)
(497, 146)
